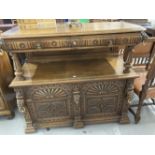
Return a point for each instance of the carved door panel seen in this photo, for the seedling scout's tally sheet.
(101, 105)
(49, 103)
(102, 98)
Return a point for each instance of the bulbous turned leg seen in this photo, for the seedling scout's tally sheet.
(17, 66)
(127, 59)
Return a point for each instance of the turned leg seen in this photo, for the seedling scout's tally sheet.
(77, 116)
(17, 67)
(127, 57)
(23, 109)
(138, 112)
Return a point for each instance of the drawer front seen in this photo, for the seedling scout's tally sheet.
(73, 42)
(49, 103)
(103, 98)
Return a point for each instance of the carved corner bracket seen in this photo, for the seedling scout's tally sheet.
(30, 127)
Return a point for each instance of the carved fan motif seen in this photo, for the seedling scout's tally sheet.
(48, 92)
(102, 88)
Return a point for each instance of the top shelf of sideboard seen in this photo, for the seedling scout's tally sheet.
(84, 29)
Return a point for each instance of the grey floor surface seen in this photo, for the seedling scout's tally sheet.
(145, 127)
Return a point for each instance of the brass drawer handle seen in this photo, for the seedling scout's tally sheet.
(22, 45)
(95, 42)
(54, 43)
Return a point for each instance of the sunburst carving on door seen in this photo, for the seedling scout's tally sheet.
(48, 92)
(102, 88)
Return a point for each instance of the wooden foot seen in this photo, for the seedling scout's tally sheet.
(30, 129)
(137, 118)
(78, 124)
(124, 120)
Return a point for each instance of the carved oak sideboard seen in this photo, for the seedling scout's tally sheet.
(73, 76)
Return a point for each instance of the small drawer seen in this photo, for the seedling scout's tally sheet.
(73, 42)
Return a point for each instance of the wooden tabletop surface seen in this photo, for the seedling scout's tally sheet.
(84, 29)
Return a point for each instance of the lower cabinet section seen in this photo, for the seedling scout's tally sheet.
(74, 104)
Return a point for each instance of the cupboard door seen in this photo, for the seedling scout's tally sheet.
(102, 98)
(49, 103)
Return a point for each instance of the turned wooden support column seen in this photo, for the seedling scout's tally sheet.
(127, 101)
(127, 57)
(23, 109)
(77, 112)
(17, 66)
